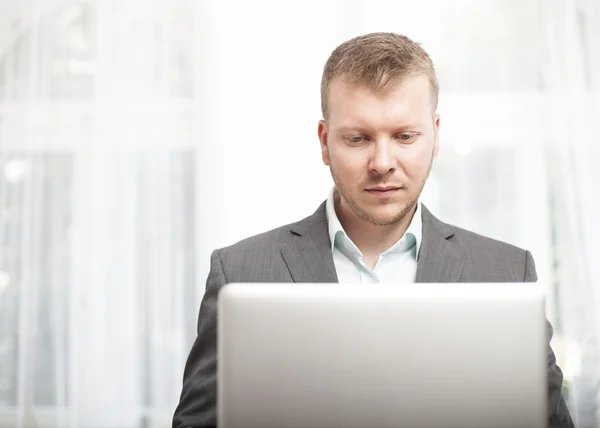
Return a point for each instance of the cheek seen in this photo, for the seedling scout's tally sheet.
(415, 163)
(350, 163)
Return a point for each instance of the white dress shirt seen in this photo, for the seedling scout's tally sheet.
(398, 264)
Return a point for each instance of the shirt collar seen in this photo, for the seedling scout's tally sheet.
(336, 229)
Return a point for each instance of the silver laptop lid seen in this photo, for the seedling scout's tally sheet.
(418, 355)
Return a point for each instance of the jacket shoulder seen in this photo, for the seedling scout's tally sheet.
(492, 260)
(472, 243)
(476, 243)
(258, 258)
(275, 238)
(262, 241)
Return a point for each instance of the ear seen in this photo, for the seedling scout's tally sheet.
(436, 132)
(322, 131)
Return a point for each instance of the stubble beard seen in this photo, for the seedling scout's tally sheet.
(378, 220)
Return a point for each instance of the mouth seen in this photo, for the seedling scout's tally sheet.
(383, 192)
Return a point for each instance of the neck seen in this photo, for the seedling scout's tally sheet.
(370, 238)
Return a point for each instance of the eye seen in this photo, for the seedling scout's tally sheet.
(357, 139)
(406, 136)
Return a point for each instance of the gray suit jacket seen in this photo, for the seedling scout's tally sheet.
(301, 252)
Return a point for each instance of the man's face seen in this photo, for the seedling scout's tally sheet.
(380, 148)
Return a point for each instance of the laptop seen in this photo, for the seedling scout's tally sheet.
(378, 356)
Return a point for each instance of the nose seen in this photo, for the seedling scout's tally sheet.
(382, 159)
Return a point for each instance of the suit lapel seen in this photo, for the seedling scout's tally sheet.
(309, 259)
(440, 259)
(308, 253)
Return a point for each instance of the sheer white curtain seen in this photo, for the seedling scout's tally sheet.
(97, 212)
(137, 136)
(571, 82)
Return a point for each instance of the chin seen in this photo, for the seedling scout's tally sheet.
(383, 217)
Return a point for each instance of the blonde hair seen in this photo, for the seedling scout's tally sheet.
(378, 61)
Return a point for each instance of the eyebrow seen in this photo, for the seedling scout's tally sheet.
(351, 129)
(409, 126)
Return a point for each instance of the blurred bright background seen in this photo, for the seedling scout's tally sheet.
(137, 136)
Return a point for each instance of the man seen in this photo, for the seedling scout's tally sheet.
(379, 137)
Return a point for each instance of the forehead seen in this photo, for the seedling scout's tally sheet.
(408, 100)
